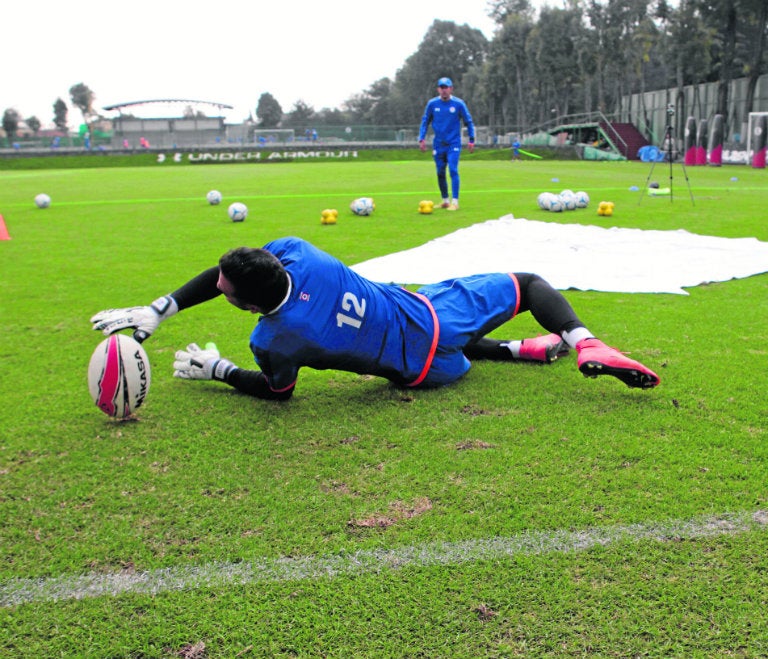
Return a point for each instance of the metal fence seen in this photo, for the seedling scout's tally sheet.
(649, 111)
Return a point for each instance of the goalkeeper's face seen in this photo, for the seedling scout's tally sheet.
(228, 291)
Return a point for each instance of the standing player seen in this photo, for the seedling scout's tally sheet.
(446, 112)
(317, 312)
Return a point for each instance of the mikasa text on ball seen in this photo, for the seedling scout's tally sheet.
(119, 376)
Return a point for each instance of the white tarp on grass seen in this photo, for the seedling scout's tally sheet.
(576, 256)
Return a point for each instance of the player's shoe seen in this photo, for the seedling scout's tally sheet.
(453, 206)
(596, 358)
(543, 348)
(445, 204)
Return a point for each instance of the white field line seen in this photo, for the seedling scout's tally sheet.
(23, 591)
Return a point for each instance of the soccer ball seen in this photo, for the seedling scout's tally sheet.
(214, 197)
(543, 200)
(554, 203)
(582, 199)
(42, 200)
(568, 199)
(237, 211)
(362, 206)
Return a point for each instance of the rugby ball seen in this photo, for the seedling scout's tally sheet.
(362, 206)
(119, 376)
(237, 211)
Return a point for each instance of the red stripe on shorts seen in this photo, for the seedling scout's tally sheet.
(433, 347)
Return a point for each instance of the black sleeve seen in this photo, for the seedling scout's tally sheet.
(254, 383)
(203, 288)
(200, 289)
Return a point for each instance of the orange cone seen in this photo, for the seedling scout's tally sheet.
(3, 230)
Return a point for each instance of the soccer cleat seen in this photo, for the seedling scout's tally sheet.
(596, 358)
(445, 204)
(543, 348)
(453, 206)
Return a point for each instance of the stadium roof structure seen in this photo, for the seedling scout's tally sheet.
(120, 106)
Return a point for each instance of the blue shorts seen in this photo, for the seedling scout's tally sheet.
(467, 308)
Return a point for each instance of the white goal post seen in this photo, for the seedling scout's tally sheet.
(274, 135)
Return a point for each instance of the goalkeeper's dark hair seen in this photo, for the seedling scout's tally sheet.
(257, 276)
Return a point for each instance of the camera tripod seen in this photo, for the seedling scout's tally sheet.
(668, 142)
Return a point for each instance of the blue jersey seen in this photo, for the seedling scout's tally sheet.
(446, 118)
(334, 318)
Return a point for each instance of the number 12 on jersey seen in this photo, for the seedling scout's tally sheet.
(350, 303)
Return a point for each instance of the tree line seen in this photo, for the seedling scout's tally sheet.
(80, 94)
(583, 57)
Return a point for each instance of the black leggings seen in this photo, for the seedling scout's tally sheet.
(547, 305)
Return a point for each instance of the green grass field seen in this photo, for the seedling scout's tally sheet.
(524, 512)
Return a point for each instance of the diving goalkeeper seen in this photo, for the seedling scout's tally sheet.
(316, 312)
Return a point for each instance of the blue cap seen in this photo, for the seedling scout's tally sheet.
(444, 82)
